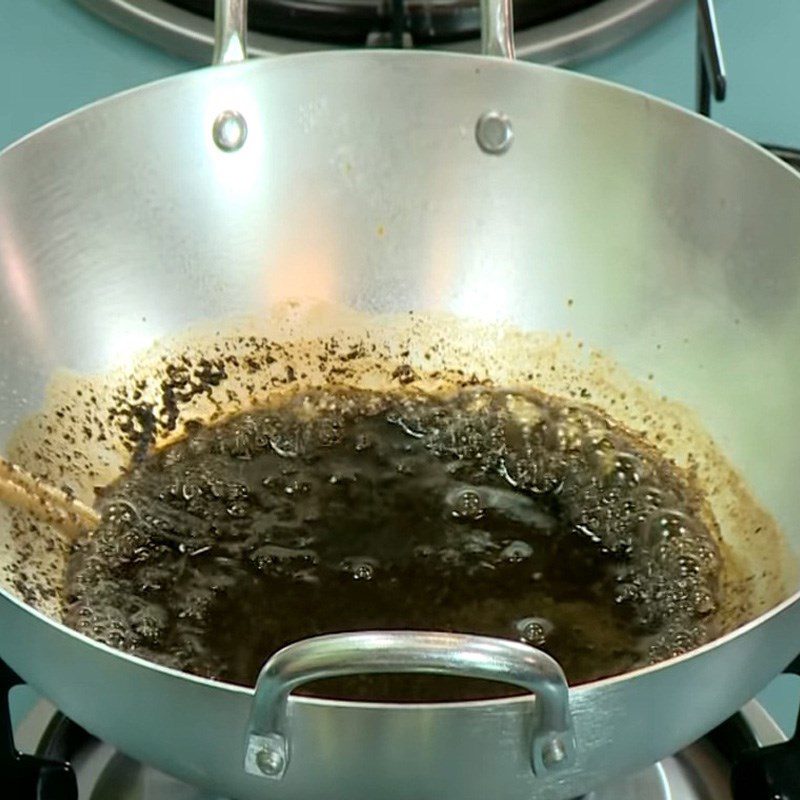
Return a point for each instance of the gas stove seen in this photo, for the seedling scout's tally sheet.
(57, 55)
(747, 757)
(62, 54)
(101, 772)
(555, 31)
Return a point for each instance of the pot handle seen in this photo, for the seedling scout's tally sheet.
(230, 30)
(497, 28)
(267, 747)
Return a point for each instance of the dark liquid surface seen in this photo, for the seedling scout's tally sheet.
(510, 515)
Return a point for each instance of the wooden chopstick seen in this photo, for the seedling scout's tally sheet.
(20, 489)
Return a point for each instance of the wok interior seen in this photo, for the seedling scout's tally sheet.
(613, 225)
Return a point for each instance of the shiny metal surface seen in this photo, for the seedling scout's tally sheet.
(696, 286)
(229, 131)
(230, 34)
(578, 36)
(494, 132)
(268, 731)
(103, 773)
(497, 28)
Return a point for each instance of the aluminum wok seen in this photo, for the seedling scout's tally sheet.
(388, 182)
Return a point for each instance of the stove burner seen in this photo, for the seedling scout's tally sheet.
(100, 772)
(770, 772)
(699, 771)
(355, 22)
(28, 777)
(549, 31)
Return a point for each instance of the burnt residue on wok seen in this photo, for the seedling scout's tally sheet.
(94, 429)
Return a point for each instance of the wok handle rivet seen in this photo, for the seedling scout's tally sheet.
(267, 756)
(493, 133)
(270, 761)
(554, 752)
(229, 131)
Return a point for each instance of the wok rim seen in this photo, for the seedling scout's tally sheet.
(491, 62)
(581, 689)
(258, 64)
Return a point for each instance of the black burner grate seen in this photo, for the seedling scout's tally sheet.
(25, 777)
(357, 22)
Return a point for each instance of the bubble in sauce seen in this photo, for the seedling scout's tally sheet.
(360, 568)
(668, 525)
(626, 471)
(533, 630)
(468, 505)
(516, 551)
(150, 622)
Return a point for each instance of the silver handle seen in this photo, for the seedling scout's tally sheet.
(230, 31)
(267, 745)
(497, 28)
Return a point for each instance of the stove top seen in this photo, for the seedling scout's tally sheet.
(700, 772)
(62, 57)
(47, 756)
(552, 31)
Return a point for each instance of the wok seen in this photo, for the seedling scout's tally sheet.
(383, 182)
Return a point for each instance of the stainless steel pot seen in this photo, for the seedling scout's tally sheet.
(389, 181)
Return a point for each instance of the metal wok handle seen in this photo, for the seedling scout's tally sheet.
(493, 131)
(497, 28)
(268, 749)
(230, 30)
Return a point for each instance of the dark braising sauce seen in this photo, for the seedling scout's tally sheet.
(508, 514)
